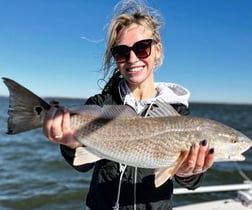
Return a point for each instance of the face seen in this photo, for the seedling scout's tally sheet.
(138, 71)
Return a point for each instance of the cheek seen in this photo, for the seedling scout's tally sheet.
(150, 61)
(121, 67)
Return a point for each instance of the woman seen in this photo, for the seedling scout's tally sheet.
(134, 50)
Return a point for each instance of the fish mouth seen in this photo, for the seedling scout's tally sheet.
(238, 157)
(247, 147)
(230, 157)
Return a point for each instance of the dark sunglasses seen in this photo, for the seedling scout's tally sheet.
(142, 49)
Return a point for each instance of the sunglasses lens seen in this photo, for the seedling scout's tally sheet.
(120, 53)
(142, 49)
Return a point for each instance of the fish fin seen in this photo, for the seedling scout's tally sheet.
(26, 110)
(160, 109)
(105, 112)
(83, 156)
(163, 174)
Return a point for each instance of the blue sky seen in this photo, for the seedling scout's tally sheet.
(47, 46)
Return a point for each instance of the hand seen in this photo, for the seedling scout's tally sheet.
(198, 161)
(57, 127)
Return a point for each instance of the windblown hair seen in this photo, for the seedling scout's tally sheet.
(127, 12)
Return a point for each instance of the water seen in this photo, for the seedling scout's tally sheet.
(33, 175)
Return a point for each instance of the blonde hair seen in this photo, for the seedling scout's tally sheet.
(126, 13)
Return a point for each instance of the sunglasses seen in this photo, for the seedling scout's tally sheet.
(142, 49)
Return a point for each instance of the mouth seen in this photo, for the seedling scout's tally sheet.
(135, 69)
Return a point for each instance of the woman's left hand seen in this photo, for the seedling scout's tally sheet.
(200, 158)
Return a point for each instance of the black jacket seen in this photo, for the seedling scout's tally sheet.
(105, 180)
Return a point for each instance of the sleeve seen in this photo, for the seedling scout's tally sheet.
(69, 153)
(191, 182)
(181, 109)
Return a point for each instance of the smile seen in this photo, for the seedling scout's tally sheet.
(135, 69)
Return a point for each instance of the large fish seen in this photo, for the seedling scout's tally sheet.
(117, 133)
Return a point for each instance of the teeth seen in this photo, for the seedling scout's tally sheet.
(135, 69)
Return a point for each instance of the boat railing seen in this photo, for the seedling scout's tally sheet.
(244, 190)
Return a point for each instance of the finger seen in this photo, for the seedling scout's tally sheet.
(56, 127)
(54, 103)
(201, 155)
(209, 160)
(191, 159)
(66, 127)
(48, 121)
(69, 139)
(187, 167)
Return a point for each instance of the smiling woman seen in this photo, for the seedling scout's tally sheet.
(46, 35)
(133, 51)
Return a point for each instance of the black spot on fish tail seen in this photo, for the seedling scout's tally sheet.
(38, 110)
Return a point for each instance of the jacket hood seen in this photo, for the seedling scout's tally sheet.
(166, 92)
(172, 93)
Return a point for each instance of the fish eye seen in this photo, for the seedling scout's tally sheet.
(234, 141)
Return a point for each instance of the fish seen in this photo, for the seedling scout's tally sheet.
(117, 133)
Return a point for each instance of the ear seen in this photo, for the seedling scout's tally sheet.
(159, 53)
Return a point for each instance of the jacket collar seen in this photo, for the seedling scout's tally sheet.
(166, 92)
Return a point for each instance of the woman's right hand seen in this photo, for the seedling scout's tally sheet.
(57, 127)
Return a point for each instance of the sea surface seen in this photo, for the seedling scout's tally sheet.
(33, 174)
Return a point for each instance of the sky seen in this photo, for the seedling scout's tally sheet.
(55, 47)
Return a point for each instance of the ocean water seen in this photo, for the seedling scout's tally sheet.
(33, 175)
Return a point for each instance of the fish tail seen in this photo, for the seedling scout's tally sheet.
(26, 110)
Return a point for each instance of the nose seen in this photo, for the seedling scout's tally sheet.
(132, 57)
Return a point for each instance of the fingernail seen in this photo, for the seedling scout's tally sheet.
(196, 145)
(54, 103)
(204, 143)
(211, 151)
